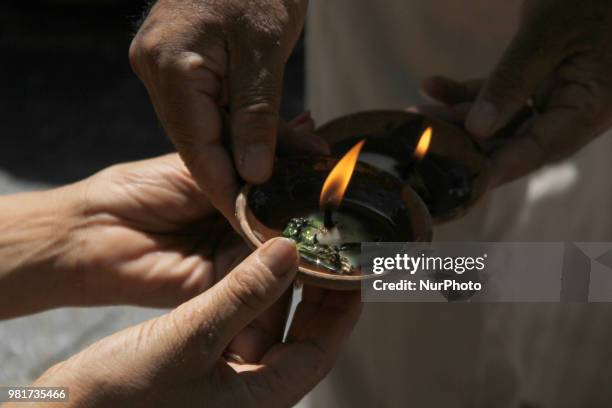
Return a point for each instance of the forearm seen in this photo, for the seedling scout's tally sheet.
(34, 240)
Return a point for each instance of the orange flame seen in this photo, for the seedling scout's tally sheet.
(339, 178)
(423, 144)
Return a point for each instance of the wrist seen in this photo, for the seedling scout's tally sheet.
(36, 240)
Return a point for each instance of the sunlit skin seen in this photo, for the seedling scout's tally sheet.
(144, 233)
(196, 56)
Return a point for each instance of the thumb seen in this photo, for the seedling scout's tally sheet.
(526, 64)
(210, 321)
(256, 83)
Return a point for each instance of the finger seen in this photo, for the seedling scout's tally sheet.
(449, 91)
(300, 138)
(206, 324)
(167, 173)
(190, 86)
(547, 138)
(256, 74)
(445, 113)
(527, 62)
(259, 335)
(293, 369)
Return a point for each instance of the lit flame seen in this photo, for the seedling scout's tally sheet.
(423, 144)
(339, 178)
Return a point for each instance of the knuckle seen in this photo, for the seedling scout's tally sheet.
(145, 331)
(190, 62)
(149, 49)
(256, 121)
(257, 111)
(152, 47)
(202, 73)
(258, 88)
(189, 329)
(273, 382)
(248, 287)
(257, 389)
(260, 387)
(321, 361)
(134, 56)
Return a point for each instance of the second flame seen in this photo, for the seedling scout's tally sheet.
(423, 144)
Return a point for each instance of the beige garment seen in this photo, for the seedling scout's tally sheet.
(371, 54)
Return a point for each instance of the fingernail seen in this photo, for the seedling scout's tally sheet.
(257, 162)
(280, 256)
(300, 119)
(482, 118)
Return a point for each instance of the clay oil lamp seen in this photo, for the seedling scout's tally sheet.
(391, 174)
(329, 206)
(448, 170)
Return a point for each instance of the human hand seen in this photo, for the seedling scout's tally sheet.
(560, 58)
(176, 360)
(138, 233)
(197, 56)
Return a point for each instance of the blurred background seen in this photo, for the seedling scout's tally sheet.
(70, 106)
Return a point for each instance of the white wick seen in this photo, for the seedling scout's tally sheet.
(330, 237)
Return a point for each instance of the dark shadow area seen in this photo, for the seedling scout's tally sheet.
(70, 104)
